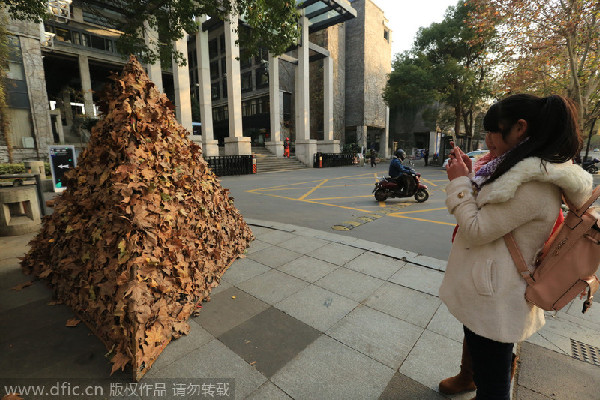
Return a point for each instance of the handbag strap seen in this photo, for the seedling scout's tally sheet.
(579, 211)
(517, 257)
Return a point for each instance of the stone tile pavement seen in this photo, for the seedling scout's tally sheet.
(306, 315)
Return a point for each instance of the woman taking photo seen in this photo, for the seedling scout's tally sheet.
(534, 140)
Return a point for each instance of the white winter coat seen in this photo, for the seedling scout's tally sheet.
(481, 286)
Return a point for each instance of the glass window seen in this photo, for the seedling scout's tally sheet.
(76, 37)
(287, 107)
(263, 105)
(222, 43)
(63, 35)
(214, 91)
(212, 48)
(223, 66)
(224, 88)
(214, 70)
(245, 59)
(386, 35)
(263, 54)
(97, 42)
(247, 81)
(262, 78)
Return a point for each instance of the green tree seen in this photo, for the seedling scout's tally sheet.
(551, 47)
(274, 23)
(449, 63)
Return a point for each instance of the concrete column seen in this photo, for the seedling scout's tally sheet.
(66, 100)
(210, 147)
(36, 91)
(86, 85)
(236, 143)
(181, 80)
(386, 135)
(361, 136)
(305, 146)
(328, 145)
(275, 145)
(154, 70)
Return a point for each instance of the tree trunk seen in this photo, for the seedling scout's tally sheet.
(457, 118)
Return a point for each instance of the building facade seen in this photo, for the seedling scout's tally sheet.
(368, 45)
(228, 100)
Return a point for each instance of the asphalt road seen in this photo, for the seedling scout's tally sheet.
(340, 200)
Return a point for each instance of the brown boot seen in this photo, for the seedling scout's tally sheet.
(463, 382)
(513, 367)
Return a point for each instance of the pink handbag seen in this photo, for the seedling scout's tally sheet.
(565, 267)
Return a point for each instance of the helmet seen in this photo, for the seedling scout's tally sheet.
(400, 154)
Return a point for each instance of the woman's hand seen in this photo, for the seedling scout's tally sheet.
(458, 165)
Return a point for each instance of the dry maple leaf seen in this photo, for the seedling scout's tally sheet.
(119, 360)
(12, 396)
(73, 322)
(22, 286)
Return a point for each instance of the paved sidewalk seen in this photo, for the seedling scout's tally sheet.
(306, 315)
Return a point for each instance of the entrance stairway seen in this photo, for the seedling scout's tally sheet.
(268, 162)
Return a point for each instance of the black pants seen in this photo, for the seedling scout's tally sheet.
(492, 362)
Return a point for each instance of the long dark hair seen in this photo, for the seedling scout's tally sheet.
(552, 128)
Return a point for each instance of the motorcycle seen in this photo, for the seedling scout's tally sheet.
(590, 165)
(410, 186)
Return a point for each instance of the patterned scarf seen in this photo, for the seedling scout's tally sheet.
(488, 169)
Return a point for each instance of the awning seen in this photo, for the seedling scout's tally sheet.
(322, 14)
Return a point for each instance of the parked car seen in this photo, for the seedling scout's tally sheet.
(473, 155)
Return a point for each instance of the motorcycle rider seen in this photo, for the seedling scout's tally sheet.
(397, 170)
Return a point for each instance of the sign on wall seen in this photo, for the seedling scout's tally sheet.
(62, 159)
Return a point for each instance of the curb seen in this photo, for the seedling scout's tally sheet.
(389, 251)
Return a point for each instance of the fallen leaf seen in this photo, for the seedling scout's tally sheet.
(253, 362)
(22, 286)
(119, 360)
(73, 322)
(12, 396)
(46, 273)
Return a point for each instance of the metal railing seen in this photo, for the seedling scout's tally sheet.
(332, 160)
(230, 165)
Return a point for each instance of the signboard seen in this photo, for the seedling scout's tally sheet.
(62, 159)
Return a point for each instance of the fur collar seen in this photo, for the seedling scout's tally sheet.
(571, 178)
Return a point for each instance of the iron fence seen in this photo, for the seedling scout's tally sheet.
(230, 165)
(332, 160)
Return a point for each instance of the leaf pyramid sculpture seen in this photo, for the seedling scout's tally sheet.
(144, 230)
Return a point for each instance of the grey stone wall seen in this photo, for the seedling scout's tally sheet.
(368, 63)
(355, 66)
(378, 64)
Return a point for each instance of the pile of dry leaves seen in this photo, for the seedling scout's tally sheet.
(144, 230)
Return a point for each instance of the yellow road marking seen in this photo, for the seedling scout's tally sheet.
(421, 219)
(418, 211)
(430, 182)
(312, 190)
(353, 223)
(382, 204)
(335, 198)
